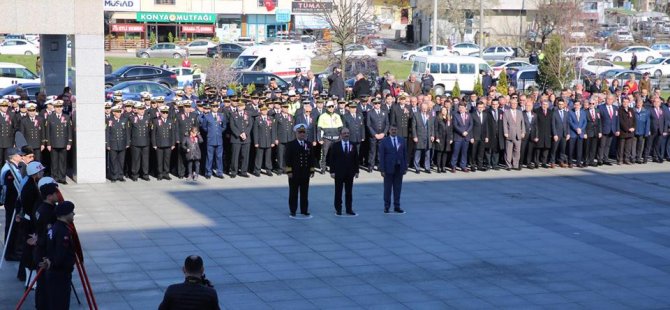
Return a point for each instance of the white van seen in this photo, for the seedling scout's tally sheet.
(446, 70)
(11, 73)
(281, 60)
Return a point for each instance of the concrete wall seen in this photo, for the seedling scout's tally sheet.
(84, 20)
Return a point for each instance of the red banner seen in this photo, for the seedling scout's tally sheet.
(197, 28)
(127, 27)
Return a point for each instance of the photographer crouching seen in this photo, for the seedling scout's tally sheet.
(195, 292)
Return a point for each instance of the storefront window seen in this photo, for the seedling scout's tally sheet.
(229, 21)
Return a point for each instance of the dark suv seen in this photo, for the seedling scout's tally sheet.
(260, 79)
(225, 50)
(142, 73)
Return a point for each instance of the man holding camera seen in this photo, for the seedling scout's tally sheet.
(195, 292)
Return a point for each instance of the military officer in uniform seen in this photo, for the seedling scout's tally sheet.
(240, 127)
(265, 138)
(117, 141)
(285, 134)
(214, 125)
(140, 141)
(185, 121)
(60, 258)
(163, 137)
(59, 140)
(6, 129)
(378, 126)
(299, 169)
(32, 128)
(356, 124)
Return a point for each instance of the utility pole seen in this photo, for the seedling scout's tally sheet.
(523, 5)
(434, 49)
(481, 28)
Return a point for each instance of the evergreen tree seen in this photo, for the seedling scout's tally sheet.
(556, 71)
(456, 91)
(502, 85)
(478, 89)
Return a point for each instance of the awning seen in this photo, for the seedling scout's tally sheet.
(310, 22)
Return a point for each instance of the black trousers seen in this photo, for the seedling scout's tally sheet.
(641, 150)
(493, 156)
(576, 150)
(528, 155)
(625, 150)
(139, 159)
(59, 288)
(591, 146)
(604, 150)
(656, 145)
(263, 157)
(239, 157)
(364, 152)
(117, 159)
(372, 157)
(281, 156)
(558, 151)
(347, 183)
(298, 184)
(543, 154)
(393, 183)
(325, 147)
(181, 161)
(477, 154)
(3, 155)
(37, 153)
(192, 165)
(59, 163)
(441, 158)
(163, 155)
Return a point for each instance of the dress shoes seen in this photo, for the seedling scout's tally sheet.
(552, 166)
(453, 170)
(244, 175)
(208, 176)
(220, 176)
(62, 182)
(338, 213)
(427, 171)
(466, 170)
(121, 179)
(386, 210)
(167, 177)
(268, 173)
(112, 180)
(232, 176)
(292, 214)
(146, 178)
(352, 213)
(306, 213)
(398, 210)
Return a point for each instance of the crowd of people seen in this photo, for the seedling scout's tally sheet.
(247, 134)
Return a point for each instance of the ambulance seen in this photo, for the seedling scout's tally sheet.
(281, 60)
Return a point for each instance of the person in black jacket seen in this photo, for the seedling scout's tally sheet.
(194, 293)
(117, 141)
(300, 164)
(336, 84)
(361, 86)
(343, 164)
(60, 258)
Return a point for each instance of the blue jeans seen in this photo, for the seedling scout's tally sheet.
(214, 150)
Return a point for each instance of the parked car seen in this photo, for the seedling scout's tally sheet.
(448, 70)
(498, 67)
(619, 74)
(30, 88)
(663, 48)
(580, 52)
(663, 27)
(245, 41)
(162, 50)
(131, 90)
(18, 47)
(464, 49)
(425, 51)
(643, 53)
(225, 50)
(199, 47)
(379, 46)
(260, 79)
(624, 36)
(498, 53)
(523, 78)
(11, 73)
(597, 66)
(357, 50)
(185, 77)
(142, 73)
(658, 67)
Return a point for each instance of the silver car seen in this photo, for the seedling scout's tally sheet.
(199, 47)
(498, 53)
(163, 50)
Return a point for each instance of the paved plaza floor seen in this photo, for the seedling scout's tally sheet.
(596, 238)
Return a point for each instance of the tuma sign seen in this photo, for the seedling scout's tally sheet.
(311, 7)
(186, 18)
(122, 5)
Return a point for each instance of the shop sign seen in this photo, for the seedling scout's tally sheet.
(127, 27)
(283, 15)
(197, 29)
(167, 17)
(312, 7)
(121, 5)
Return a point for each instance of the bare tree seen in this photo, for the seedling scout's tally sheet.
(558, 17)
(344, 20)
(220, 75)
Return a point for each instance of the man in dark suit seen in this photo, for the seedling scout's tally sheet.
(423, 134)
(528, 155)
(117, 140)
(544, 134)
(312, 84)
(593, 131)
(343, 163)
(299, 169)
(479, 137)
(577, 121)
(609, 117)
(285, 134)
(658, 131)
(353, 120)
(627, 135)
(560, 133)
(336, 83)
(378, 125)
(462, 129)
(298, 82)
(496, 137)
(393, 166)
(163, 137)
